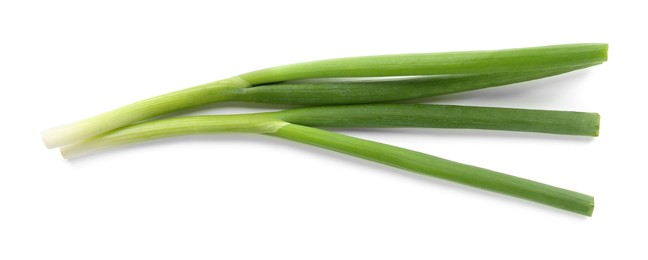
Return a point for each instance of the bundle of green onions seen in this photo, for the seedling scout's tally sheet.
(339, 99)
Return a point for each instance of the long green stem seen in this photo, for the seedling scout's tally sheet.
(565, 57)
(382, 153)
(378, 115)
(378, 91)
(446, 116)
(441, 168)
(468, 62)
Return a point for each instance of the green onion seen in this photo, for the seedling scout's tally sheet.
(549, 59)
(272, 123)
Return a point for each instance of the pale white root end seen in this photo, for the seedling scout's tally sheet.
(59, 136)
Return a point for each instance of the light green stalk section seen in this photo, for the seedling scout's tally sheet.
(156, 129)
(217, 91)
(446, 116)
(441, 168)
(346, 92)
(565, 57)
(469, 62)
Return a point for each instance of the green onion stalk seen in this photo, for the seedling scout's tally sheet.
(434, 74)
(297, 125)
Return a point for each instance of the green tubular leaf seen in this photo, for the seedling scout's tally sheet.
(446, 116)
(377, 91)
(470, 62)
(441, 168)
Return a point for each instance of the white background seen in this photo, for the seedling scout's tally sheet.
(258, 197)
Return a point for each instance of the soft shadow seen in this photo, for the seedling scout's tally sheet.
(247, 106)
(469, 133)
(161, 143)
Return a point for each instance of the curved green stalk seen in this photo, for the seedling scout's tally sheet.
(382, 153)
(468, 62)
(514, 60)
(346, 92)
(377, 115)
(441, 168)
